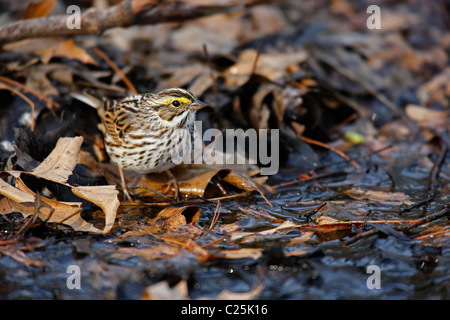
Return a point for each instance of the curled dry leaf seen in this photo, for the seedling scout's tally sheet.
(103, 196)
(57, 168)
(173, 223)
(21, 199)
(199, 183)
(176, 217)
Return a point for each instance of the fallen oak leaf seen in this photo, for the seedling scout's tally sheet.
(66, 49)
(68, 213)
(14, 194)
(58, 166)
(198, 184)
(173, 224)
(103, 196)
(175, 218)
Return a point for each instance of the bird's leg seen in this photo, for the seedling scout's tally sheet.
(175, 182)
(126, 194)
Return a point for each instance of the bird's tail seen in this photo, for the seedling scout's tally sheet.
(88, 98)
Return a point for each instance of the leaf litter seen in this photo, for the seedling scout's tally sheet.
(318, 83)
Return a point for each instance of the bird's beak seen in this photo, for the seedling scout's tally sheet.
(197, 105)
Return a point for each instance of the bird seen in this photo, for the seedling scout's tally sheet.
(143, 132)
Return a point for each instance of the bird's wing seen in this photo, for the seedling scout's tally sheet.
(119, 117)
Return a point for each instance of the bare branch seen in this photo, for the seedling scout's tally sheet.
(126, 13)
(92, 21)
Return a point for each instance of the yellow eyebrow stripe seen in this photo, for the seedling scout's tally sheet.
(182, 100)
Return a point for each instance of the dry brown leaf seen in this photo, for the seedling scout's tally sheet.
(158, 252)
(163, 291)
(436, 89)
(14, 194)
(176, 217)
(252, 253)
(66, 49)
(428, 118)
(39, 9)
(58, 166)
(272, 66)
(173, 224)
(197, 185)
(254, 237)
(103, 196)
(195, 182)
(68, 213)
(391, 198)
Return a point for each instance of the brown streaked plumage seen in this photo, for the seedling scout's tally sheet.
(143, 131)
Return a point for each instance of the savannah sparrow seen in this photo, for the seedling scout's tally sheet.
(144, 131)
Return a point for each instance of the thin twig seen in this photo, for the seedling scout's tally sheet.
(413, 224)
(189, 202)
(37, 206)
(24, 97)
(225, 236)
(25, 88)
(154, 191)
(323, 145)
(116, 69)
(216, 214)
(433, 234)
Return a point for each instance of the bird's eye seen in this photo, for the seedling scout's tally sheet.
(176, 103)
